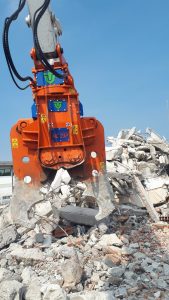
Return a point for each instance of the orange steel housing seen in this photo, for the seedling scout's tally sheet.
(35, 153)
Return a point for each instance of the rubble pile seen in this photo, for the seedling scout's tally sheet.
(52, 246)
(143, 155)
(125, 257)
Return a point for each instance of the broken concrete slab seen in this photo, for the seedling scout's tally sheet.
(27, 256)
(71, 271)
(8, 235)
(146, 160)
(101, 190)
(21, 203)
(79, 215)
(144, 198)
(113, 153)
(157, 141)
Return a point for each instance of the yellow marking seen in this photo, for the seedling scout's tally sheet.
(75, 129)
(15, 143)
(43, 119)
(72, 91)
(102, 166)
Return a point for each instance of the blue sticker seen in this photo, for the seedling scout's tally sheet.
(60, 135)
(34, 111)
(57, 105)
(47, 78)
(81, 109)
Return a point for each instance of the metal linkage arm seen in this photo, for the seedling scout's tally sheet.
(48, 27)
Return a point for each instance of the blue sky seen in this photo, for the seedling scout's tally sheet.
(118, 54)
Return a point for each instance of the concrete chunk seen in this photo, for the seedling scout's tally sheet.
(61, 176)
(9, 290)
(71, 271)
(110, 240)
(8, 235)
(106, 295)
(28, 256)
(53, 291)
(78, 215)
(34, 290)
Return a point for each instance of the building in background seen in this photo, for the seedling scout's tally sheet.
(6, 181)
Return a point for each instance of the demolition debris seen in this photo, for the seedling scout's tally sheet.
(138, 167)
(54, 247)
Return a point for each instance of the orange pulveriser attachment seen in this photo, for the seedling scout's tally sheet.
(57, 136)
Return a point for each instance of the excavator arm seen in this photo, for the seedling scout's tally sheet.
(47, 34)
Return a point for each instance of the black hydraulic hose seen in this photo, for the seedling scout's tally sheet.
(11, 66)
(10, 63)
(6, 41)
(13, 78)
(37, 17)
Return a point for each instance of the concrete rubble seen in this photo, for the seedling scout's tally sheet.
(56, 248)
(144, 157)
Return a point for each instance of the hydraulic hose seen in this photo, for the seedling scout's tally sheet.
(11, 66)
